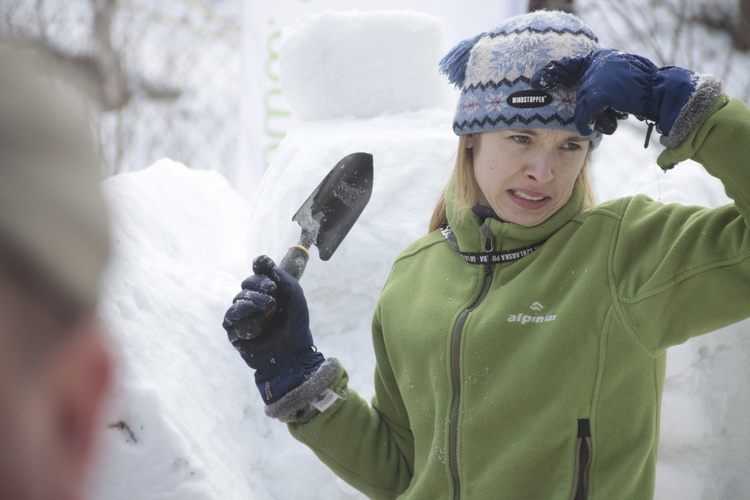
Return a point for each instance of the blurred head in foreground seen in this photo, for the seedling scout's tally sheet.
(54, 362)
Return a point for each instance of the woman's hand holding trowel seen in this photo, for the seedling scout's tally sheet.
(268, 322)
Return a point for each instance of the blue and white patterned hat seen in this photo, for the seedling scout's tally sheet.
(493, 71)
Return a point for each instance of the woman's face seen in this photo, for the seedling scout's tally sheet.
(526, 175)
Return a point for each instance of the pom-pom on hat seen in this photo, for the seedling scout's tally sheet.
(493, 71)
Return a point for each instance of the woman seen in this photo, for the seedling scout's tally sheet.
(520, 345)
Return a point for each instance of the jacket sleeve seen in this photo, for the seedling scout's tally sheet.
(369, 447)
(679, 271)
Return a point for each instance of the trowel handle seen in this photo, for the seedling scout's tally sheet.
(295, 260)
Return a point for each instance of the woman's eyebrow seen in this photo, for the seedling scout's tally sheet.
(570, 138)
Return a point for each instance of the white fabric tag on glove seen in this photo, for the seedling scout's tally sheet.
(325, 400)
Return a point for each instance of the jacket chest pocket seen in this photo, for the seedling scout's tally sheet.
(583, 452)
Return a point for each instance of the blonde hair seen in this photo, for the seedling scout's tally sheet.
(462, 188)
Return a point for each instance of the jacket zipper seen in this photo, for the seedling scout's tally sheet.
(456, 381)
(582, 461)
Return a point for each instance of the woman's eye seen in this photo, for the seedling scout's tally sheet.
(522, 139)
(573, 146)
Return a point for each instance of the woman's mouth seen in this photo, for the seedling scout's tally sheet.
(529, 200)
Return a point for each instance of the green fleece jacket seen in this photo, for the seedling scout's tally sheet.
(542, 378)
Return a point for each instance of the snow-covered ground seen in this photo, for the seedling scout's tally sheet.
(186, 423)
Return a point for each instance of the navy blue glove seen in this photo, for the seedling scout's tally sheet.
(281, 349)
(612, 83)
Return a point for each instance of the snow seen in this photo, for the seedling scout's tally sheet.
(364, 63)
(178, 239)
(186, 422)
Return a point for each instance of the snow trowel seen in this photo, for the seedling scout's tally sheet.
(325, 218)
(330, 211)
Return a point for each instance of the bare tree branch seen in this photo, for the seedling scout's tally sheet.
(679, 29)
(742, 30)
(564, 5)
(113, 85)
(643, 31)
(227, 27)
(223, 22)
(40, 24)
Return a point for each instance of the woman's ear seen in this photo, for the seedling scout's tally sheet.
(469, 141)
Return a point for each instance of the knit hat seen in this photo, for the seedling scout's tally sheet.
(493, 71)
(52, 210)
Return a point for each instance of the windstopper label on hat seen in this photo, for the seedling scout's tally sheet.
(525, 99)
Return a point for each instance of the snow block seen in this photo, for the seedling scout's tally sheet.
(363, 64)
(176, 425)
(413, 154)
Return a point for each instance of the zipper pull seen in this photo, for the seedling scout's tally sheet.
(489, 238)
(648, 133)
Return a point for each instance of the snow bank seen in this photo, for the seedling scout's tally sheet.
(186, 421)
(175, 428)
(359, 64)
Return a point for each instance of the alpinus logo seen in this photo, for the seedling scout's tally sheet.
(532, 318)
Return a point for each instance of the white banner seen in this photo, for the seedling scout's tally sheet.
(264, 114)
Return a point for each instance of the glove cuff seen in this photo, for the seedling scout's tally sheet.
(701, 101)
(297, 403)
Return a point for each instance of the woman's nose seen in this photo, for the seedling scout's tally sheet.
(539, 168)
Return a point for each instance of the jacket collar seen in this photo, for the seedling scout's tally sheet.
(509, 236)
